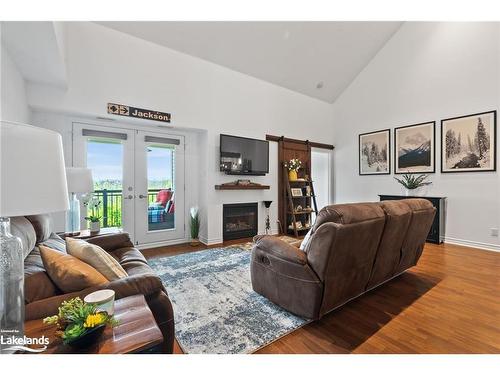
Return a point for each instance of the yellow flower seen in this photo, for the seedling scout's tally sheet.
(94, 320)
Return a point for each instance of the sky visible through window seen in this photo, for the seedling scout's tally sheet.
(106, 161)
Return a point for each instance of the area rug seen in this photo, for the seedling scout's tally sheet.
(216, 311)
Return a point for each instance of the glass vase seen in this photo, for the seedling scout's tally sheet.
(11, 287)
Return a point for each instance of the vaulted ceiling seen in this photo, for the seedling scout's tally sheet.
(318, 59)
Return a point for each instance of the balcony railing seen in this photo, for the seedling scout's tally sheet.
(110, 210)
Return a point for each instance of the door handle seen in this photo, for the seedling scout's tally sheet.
(129, 197)
(142, 196)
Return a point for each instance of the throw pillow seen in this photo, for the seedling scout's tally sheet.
(69, 273)
(305, 240)
(96, 257)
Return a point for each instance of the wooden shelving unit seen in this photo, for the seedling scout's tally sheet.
(304, 215)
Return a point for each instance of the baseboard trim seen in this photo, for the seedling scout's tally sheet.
(161, 243)
(219, 241)
(474, 244)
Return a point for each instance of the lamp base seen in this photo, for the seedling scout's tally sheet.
(11, 288)
(73, 216)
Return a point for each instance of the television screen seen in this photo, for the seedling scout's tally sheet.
(240, 155)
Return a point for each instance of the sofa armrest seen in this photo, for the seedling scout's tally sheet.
(113, 241)
(145, 284)
(274, 246)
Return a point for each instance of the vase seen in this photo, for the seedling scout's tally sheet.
(195, 242)
(94, 226)
(11, 287)
(292, 175)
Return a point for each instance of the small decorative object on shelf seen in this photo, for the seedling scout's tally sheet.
(195, 226)
(267, 204)
(296, 192)
(412, 183)
(80, 323)
(293, 166)
(93, 204)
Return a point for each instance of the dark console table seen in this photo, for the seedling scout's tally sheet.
(436, 234)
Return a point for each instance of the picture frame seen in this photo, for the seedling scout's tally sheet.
(415, 148)
(296, 192)
(468, 143)
(375, 153)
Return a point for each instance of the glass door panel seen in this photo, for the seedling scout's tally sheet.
(160, 175)
(159, 207)
(105, 159)
(108, 152)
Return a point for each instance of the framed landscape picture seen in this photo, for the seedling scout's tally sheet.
(468, 143)
(414, 148)
(374, 152)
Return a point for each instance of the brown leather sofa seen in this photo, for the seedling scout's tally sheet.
(352, 248)
(42, 297)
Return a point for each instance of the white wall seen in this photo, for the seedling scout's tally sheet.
(426, 72)
(104, 66)
(14, 105)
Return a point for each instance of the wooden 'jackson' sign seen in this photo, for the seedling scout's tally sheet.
(126, 110)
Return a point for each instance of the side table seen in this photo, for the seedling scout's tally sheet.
(136, 332)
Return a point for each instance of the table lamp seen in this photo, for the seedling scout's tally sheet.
(79, 181)
(32, 181)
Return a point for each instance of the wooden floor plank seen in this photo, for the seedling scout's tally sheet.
(448, 303)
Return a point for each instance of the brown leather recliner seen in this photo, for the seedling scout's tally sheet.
(352, 248)
(42, 297)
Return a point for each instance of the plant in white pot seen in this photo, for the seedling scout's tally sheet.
(412, 184)
(195, 226)
(93, 205)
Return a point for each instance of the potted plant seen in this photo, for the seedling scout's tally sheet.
(79, 323)
(93, 205)
(412, 183)
(293, 166)
(195, 226)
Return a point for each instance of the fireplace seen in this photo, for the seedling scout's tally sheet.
(239, 220)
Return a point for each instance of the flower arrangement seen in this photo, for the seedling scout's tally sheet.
(195, 225)
(412, 182)
(293, 165)
(77, 318)
(93, 203)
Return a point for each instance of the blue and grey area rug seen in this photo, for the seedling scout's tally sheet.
(216, 311)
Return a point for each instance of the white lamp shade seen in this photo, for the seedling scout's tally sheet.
(32, 173)
(79, 180)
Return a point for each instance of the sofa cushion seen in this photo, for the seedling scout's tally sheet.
(42, 225)
(22, 228)
(128, 254)
(38, 286)
(96, 257)
(69, 273)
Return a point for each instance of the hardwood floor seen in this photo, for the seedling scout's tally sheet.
(448, 303)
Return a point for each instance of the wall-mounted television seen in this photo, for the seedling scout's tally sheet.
(239, 155)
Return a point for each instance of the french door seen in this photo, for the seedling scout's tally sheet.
(138, 180)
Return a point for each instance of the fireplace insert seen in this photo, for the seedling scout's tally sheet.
(239, 220)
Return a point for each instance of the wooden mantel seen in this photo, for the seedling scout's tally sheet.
(236, 186)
